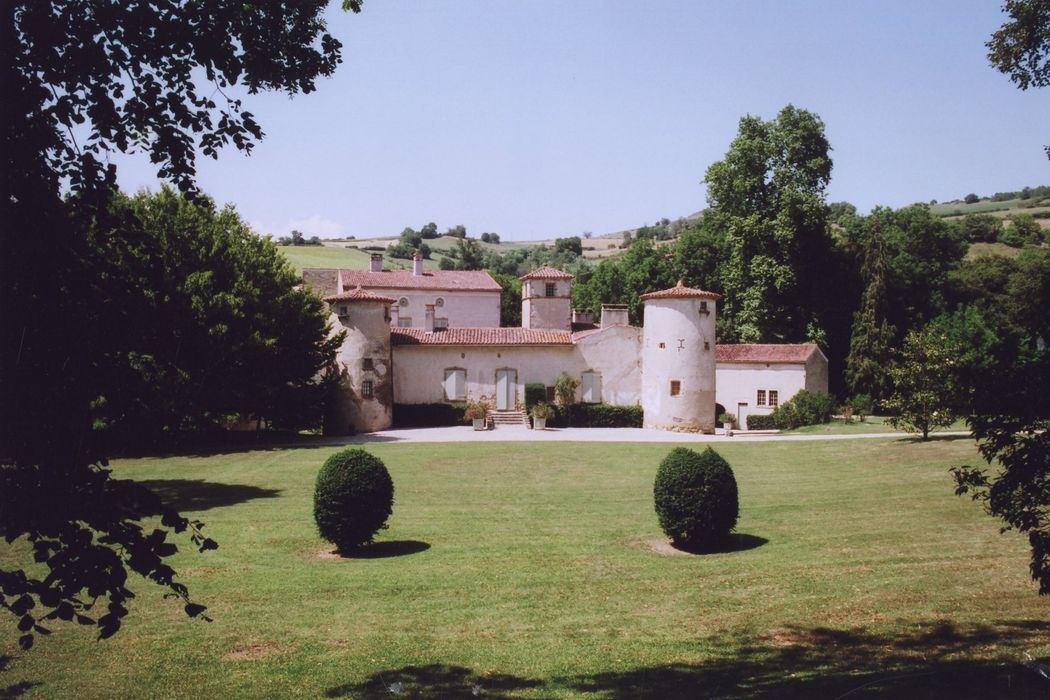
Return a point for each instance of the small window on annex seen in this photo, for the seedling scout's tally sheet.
(773, 399)
(591, 387)
(404, 322)
(366, 364)
(366, 389)
(551, 289)
(760, 398)
(455, 384)
(676, 387)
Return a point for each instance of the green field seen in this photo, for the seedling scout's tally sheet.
(870, 424)
(528, 570)
(949, 209)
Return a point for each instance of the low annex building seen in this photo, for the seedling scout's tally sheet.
(416, 337)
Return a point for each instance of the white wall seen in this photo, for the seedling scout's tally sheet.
(687, 356)
(462, 309)
(739, 383)
(419, 370)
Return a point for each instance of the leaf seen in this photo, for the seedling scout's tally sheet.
(26, 642)
(194, 609)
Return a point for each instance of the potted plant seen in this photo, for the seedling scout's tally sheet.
(727, 420)
(477, 412)
(540, 413)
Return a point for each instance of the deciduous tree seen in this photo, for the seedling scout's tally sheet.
(767, 194)
(81, 79)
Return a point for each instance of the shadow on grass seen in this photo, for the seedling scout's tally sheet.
(934, 437)
(382, 550)
(187, 495)
(15, 689)
(935, 659)
(435, 681)
(734, 543)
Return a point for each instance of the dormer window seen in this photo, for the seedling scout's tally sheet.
(551, 289)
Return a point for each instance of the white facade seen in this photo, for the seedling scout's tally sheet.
(456, 309)
(750, 388)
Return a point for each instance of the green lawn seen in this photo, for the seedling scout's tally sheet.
(870, 424)
(524, 570)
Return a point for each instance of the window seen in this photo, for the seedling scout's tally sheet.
(439, 302)
(592, 387)
(551, 289)
(366, 364)
(773, 399)
(404, 322)
(455, 384)
(440, 323)
(551, 394)
(760, 400)
(707, 345)
(403, 301)
(676, 387)
(366, 389)
(663, 345)
(343, 310)
(703, 307)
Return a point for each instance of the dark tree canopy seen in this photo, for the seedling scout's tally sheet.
(767, 194)
(80, 79)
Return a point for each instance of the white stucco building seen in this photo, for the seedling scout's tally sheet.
(416, 337)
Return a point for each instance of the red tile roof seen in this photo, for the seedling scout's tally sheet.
(546, 272)
(479, 336)
(358, 294)
(755, 352)
(681, 292)
(447, 280)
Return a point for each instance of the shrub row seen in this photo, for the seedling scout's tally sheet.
(535, 392)
(429, 415)
(804, 408)
(761, 422)
(596, 415)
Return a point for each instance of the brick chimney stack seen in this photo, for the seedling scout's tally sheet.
(376, 263)
(417, 265)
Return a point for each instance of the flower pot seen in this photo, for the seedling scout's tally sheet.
(539, 423)
(479, 424)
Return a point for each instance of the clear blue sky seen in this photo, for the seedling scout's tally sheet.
(541, 118)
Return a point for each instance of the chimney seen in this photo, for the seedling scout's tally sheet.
(417, 266)
(614, 315)
(376, 265)
(582, 317)
(395, 313)
(428, 321)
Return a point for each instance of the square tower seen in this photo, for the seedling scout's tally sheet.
(545, 299)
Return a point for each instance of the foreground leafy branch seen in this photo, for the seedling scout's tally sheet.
(1014, 438)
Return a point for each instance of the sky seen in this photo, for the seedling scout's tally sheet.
(541, 119)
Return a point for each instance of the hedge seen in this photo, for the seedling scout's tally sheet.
(535, 392)
(429, 415)
(761, 422)
(596, 415)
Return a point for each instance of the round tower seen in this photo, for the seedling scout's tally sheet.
(678, 359)
(366, 387)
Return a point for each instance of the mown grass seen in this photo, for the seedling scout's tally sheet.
(870, 424)
(523, 570)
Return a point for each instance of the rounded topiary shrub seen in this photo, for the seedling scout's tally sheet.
(696, 499)
(353, 498)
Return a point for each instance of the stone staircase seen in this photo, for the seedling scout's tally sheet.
(515, 418)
